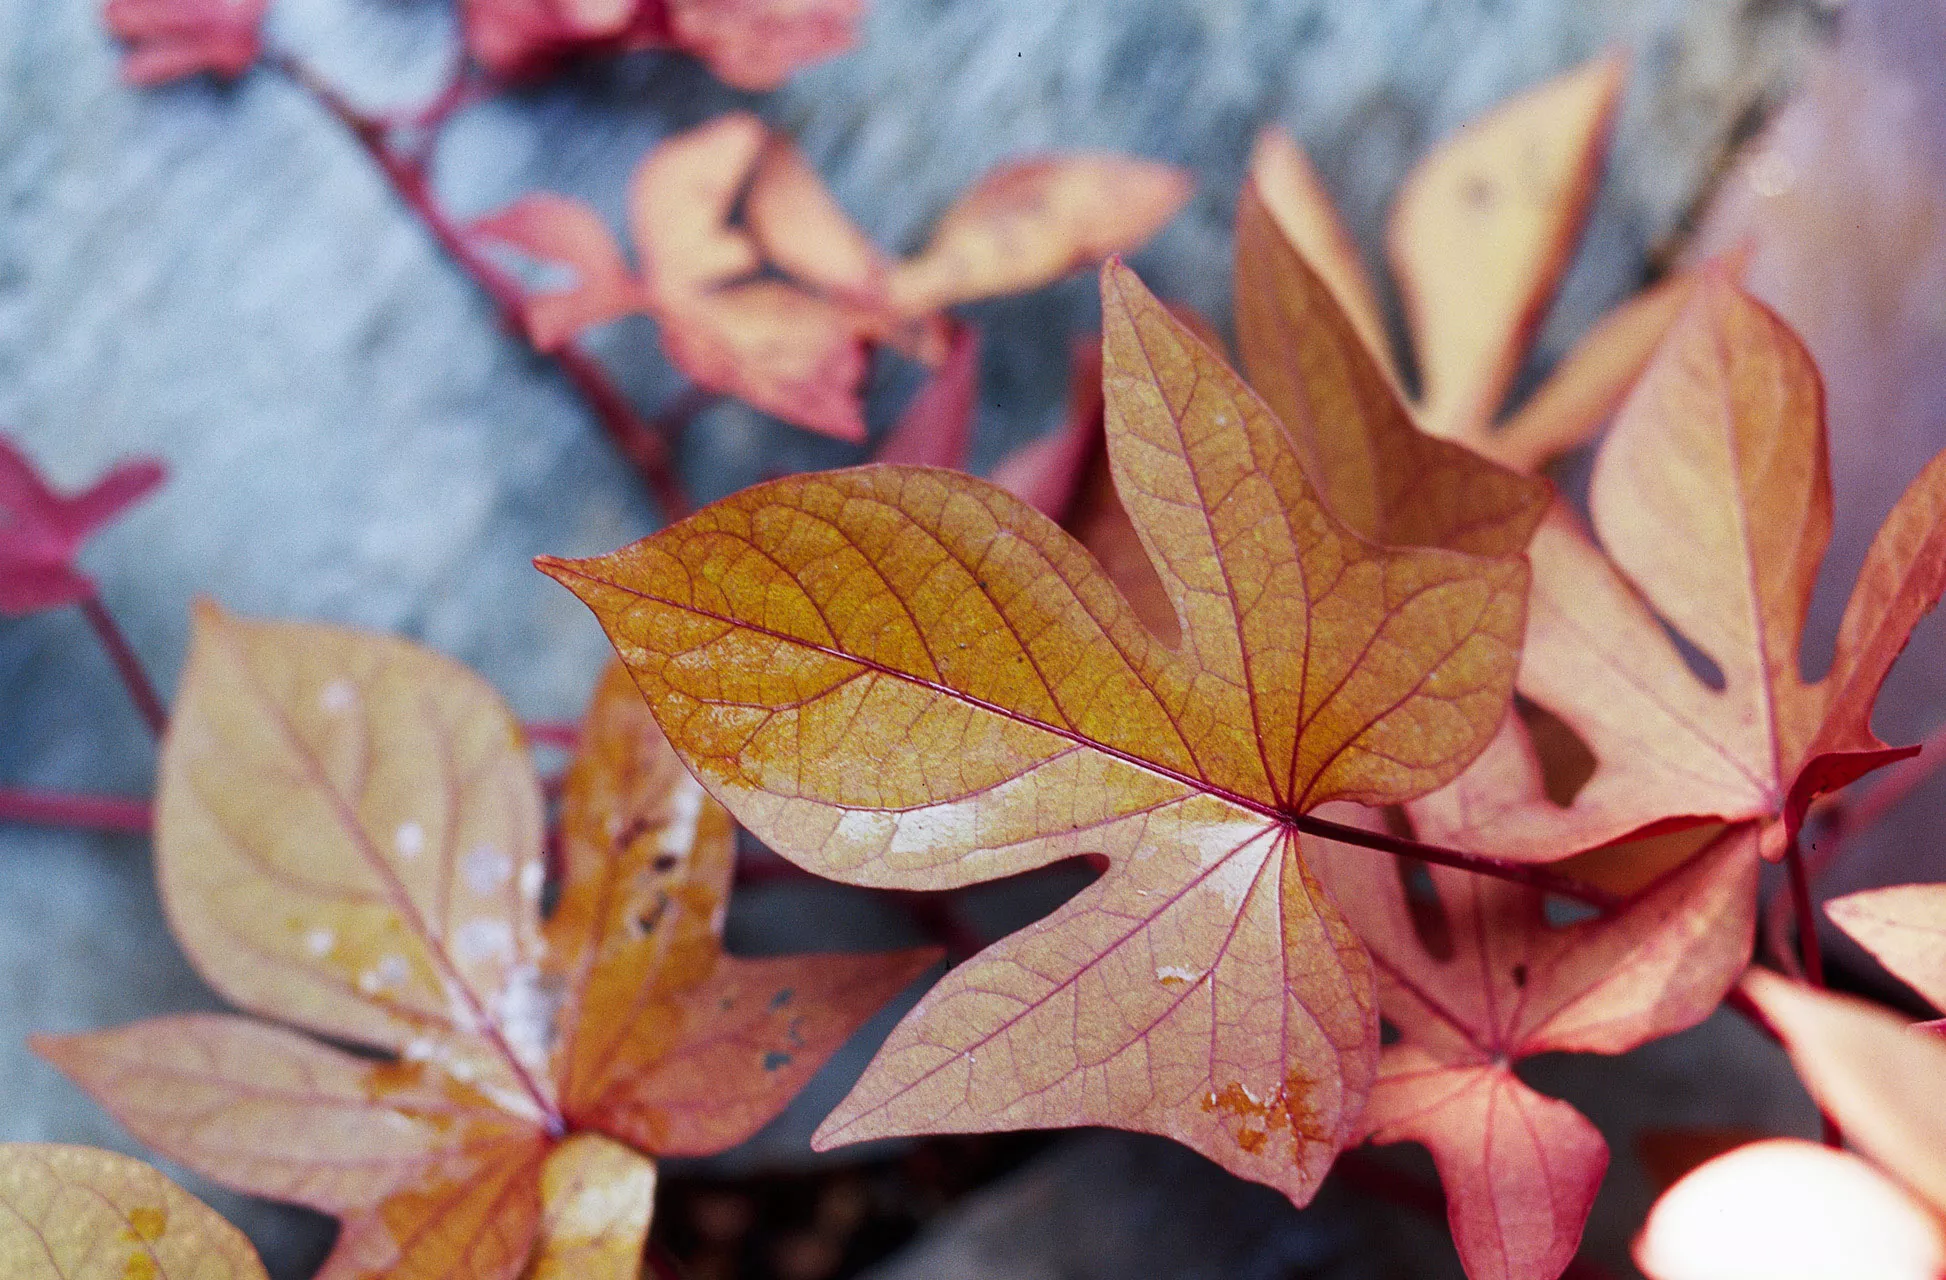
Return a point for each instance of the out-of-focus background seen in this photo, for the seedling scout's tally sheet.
(217, 276)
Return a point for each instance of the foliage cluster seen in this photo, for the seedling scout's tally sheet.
(1338, 698)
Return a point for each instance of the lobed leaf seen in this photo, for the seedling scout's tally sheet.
(74, 1213)
(1904, 927)
(1871, 1072)
(673, 1046)
(277, 1114)
(44, 530)
(1481, 232)
(906, 677)
(1712, 498)
(1307, 358)
(348, 837)
(1521, 1170)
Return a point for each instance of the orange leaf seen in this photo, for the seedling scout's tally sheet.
(1482, 231)
(756, 44)
(169, 39)
(1283, 183)
(1870, 1071)
(679, 206)
(1521, 1170)
(349, 839)
(781, 349)
(566, 232)
(1381, 474)
(1905, 927)
(1789, 1210)
(803, 231)
(1031, 222)
(277, 1114)
(676, 1047)
(907, 677)
(1591, 381)
(74, 1213)
(597, 1197)
(1711, 494)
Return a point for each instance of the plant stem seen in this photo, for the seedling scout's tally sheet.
(641, 444)
(1807, 921)
(1534, 877)
(127, 665)
(123, 815)
(554, 733)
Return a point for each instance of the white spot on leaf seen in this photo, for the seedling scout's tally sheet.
(485, 869)
(320, 941)
(484, 939)
(337, 696)
(409, 839)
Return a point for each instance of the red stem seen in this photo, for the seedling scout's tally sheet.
(1535, 877)
(554, 733)
(123, 815)
(645, 448)
(1807, 921)
(127, 665)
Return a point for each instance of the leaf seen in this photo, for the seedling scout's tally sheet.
(1306, 356)
(675, 1047)
(679, 206)
(556, 229)
(1521, 1170)
(803, 231)
(1789, 1210)
(599, 1196)
(44, 530)
(780, 308)
(170, 39)
(756, 44)
(74, 1213)
(1871, 1072)
(349, 840)
(1283, 185)
(1481, 232)
(1904, 927)
(1031, 222)
(908, 678)
(748, 44)
(778, 348)
(936, 428)
(1712, 497)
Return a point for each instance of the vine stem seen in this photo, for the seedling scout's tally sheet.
(123, 815)
(1529, 874)
(643, 445)
(1809, 952)
(140, 689)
